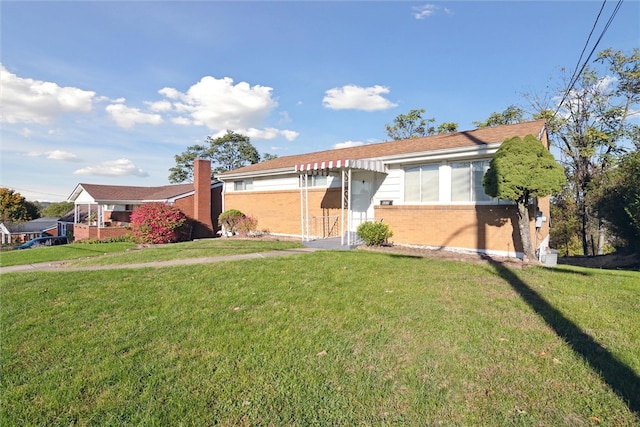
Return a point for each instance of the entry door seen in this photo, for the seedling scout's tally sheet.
(361, 198)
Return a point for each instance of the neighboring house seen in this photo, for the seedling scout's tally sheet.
(18, 232)
(428, 190)
(103, 211)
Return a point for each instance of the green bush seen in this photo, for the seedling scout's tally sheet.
(229, 220)
(374, 233)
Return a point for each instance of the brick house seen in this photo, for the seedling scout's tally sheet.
(429, 190)
(103, 211)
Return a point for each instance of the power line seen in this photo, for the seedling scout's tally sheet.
(576, 73)
(22, 190)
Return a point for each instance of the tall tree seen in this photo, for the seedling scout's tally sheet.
(413, 125)
(620, 200)
(13, 207)
(591, 128)
(511, 115)
(447, 127)
(57, 209)
(523, 169)
(410, 125)
(227, 152)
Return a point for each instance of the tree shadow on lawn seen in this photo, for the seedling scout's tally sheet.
(621, 378)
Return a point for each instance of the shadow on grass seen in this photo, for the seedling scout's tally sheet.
(621, 378)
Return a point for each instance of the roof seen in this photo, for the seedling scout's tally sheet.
(130, 193)
(33, 226)
(466, 139)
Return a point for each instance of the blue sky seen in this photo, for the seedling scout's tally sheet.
(108, 92)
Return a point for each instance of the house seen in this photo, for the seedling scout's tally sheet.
(428, 190)
(103, 211)
(18, 232)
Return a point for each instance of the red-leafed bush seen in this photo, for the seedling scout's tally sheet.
(158, 223)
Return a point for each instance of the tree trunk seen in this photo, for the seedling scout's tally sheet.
(601, 237)
(525, 231)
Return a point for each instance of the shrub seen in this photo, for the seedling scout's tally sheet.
(246, 225)
(374, 233)
(158, 223)
(229, 220)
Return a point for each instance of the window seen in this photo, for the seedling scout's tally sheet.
(243, 185)
(315, 181)
(421, 183)
(466, 181)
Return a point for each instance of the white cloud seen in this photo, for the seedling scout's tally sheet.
(127, 117)
(220, 105)
(357, 98)
(26, 132)
(427, 10)
(26, 100)
(290, 135)
(268, 133)
(348, 144)
(120, 167)
(159, 106)
(56, 155)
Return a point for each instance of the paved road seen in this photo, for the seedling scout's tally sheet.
(63, 265)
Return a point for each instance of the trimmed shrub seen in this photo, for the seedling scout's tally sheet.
(229, 220)
(246, 225)
(374, 233)
(158, 223)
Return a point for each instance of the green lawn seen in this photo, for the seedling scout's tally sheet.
(325, 338)
(126, 253)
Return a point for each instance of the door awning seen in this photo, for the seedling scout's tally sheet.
(361, 164)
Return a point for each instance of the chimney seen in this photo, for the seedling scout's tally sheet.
(202, 198)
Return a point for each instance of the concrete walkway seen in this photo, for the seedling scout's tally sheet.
(63, 265)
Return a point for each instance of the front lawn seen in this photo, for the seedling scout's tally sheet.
(326, 338)
(128, 253)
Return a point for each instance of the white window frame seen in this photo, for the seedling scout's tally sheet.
(243, 185)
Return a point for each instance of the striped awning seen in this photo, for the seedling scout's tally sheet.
(361, 164)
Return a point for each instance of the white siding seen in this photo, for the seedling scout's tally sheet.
(392, 187)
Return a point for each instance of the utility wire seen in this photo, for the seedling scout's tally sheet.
(576, 73)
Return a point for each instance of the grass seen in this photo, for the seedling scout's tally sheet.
(63, 252)
(328, 338)
(126, 253)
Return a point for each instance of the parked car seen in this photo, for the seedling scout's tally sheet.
(43, 241)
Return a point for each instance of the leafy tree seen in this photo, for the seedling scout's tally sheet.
(447, 127)
(523, 169)
(57, 209)
(565, 225)
(590, 127)
(620, 200)
(14, 207)
(511, 115)
(33, 209)
(227, 152)
(158, 222)
(412, 125)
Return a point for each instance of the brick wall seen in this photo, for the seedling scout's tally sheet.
(279, 211)
(490, 228)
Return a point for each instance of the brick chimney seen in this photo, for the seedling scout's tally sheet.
(202, 198)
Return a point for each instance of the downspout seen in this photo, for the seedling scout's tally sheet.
(349, 213)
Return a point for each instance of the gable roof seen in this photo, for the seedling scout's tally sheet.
(33, 226)
(125, 193)
(449, 141)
